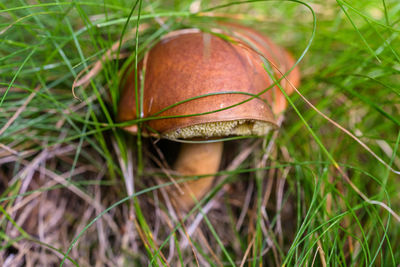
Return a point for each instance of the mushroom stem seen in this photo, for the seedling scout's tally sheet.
(193, 160)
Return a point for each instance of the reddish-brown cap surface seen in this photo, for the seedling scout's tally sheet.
(190, 63)
(280, 59)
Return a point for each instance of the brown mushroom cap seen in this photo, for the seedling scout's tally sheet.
(190, 63)
(280, 59)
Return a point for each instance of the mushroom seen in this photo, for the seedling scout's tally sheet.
(224, 81)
